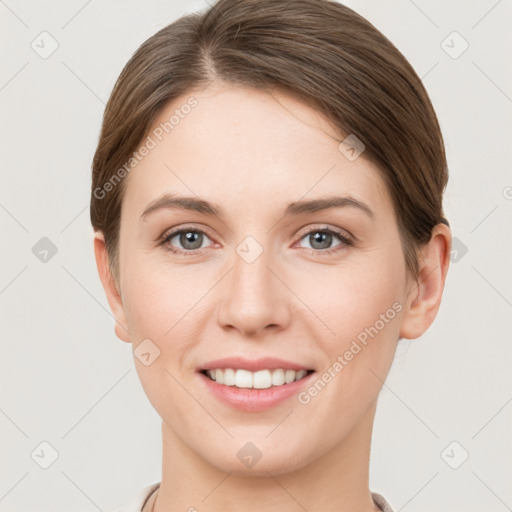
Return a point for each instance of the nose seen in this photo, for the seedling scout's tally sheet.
(253, 297)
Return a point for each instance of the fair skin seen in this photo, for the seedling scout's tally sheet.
(251, 155)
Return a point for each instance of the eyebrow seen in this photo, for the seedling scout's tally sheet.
(170, 201)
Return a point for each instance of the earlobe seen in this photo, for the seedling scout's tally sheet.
(110, 288)
(424, 297)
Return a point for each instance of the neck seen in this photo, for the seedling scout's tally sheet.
(337, 481)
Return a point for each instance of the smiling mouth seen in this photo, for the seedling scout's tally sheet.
(262, 379)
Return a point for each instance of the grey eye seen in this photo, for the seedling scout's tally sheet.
(321, 239)
(189, 239)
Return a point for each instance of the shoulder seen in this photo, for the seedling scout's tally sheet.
(136, 501)
(381, 502)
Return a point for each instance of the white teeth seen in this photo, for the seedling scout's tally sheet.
(277, 377)
(289, 376)
(229, 377)
(243, 378)
(300, 374)
(262, 379)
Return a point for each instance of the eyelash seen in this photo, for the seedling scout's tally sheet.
(346, 241)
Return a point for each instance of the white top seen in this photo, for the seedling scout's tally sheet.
(138, 500)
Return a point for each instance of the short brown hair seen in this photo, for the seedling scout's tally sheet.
(319, 50)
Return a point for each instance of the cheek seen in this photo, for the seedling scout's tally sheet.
(156, 295)
(363, 309)
(360, 307)
(350, 297)
(166, 303)
(161, 306)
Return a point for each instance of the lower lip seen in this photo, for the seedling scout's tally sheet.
(254, 400)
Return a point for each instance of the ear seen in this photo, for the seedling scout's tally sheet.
(424, 297)
(113, 296)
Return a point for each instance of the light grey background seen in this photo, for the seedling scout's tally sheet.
(68, 381)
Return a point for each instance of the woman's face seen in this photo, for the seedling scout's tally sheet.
(260, 273)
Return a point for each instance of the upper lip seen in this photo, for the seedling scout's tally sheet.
(264, 363)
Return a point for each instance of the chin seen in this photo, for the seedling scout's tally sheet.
(263, 461)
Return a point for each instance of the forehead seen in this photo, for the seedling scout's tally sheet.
(239, 144)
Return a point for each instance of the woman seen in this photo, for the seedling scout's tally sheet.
(267, 206)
